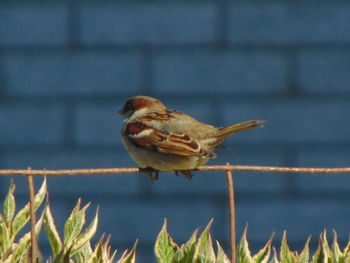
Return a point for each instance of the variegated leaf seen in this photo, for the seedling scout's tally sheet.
(185, 254)
(165, 247)
(221, 256)
(84, 237)
(51, 231)
(23, 215)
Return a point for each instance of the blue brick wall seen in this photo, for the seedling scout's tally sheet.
(66, 67)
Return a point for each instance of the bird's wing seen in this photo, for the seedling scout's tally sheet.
(145, 135)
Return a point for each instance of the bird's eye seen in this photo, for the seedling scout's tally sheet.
(127, 107)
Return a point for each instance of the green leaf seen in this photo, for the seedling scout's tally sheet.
(347, 248)
(51, 231)
(326, 249)
(102, 251)
(23, 215)
(319, 256)
(9, 204)
(263, 255)
(335, 246)
(74, 225)
(165, 247)
(274, 257)
(84, 237)
(243, 253)
(204, 251)
(304, 255)
(97, 253)
(129, 257)
(221, 257)
(185, 254)
(5, 243)
(286, 255)
(85, 254)
(207, 254)
(22, 247)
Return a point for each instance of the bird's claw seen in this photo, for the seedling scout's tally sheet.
(153, 174)
(186, 173)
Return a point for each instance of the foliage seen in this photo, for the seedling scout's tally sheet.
(13, 249)
(201, 250)
(75, 247)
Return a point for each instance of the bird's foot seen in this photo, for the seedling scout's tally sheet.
(186, 173)
(153, 174)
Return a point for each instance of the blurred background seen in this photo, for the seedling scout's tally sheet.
(66, 68)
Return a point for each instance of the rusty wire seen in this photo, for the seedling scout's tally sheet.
(252, 168)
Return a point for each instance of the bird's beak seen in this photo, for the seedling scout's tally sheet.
(121, 112)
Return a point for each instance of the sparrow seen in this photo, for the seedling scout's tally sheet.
(161, 139)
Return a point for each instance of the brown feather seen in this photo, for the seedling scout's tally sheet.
(227, 131)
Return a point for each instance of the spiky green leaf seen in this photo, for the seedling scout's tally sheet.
(165, 247)
(221, 256)
(319, 256)
(22, 247)
(243, 253)
(204, 251)
(325, 246)
(207, 254)
(85, 254)
(274, 257)
(51, 231)
(5, 243)
(9, 204)
(286, 255)
(23, 215)
(84, 237)
(305, 255)
(263, 255)
(185, 254)
(335, 246)
(74, 225)
(346, 252)
(129, 257)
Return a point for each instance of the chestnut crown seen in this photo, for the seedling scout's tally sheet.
(140, 102)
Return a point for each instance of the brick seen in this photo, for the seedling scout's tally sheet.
(210, 72)
(324, 71)
(292, 121)
(98, 124)
(33, 24)
(31, 124)
(71, 186)
(147, 23)
(289, 22)
(73, 73)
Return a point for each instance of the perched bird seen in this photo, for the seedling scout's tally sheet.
(162, 139)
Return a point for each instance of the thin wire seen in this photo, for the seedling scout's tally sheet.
(275, 169)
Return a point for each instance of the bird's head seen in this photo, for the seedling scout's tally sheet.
(140, 105)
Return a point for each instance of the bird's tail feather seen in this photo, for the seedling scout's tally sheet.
(227, 131)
